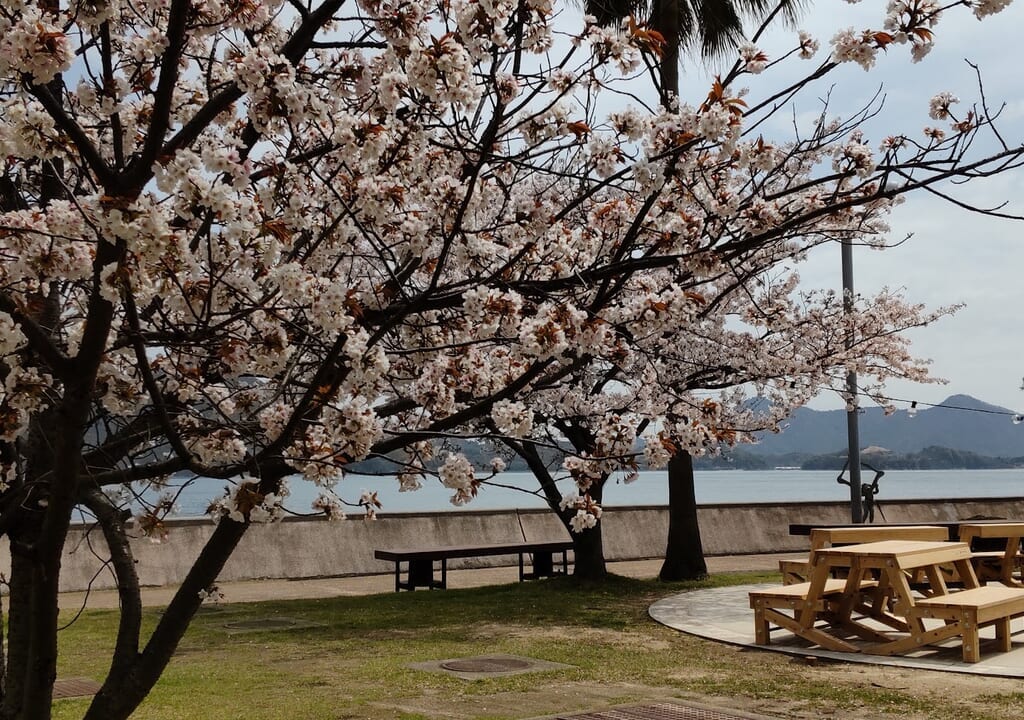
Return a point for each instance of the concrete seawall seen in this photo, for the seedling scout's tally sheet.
(306, 548)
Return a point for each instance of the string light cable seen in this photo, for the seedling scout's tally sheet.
(1015, 417)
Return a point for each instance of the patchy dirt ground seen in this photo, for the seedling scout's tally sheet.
(821, 689)
(939, 695)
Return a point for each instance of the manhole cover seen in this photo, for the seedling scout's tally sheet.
(482, 667)
(261, 624)
(75, 687)
(486, 665)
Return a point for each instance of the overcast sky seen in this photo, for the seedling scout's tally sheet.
(954, 256)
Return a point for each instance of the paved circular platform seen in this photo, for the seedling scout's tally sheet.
(724, 614)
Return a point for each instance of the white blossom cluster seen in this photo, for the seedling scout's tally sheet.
(246, 503)
(512, 418)
(587, 512)
(33, 44)
(938, 107)
(754, 59)
(457, 474)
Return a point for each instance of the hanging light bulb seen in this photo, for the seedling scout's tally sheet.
(912, 410)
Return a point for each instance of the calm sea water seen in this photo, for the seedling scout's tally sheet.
(520, 490)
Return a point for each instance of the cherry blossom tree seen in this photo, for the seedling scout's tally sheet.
(806, 347)
(247, 240)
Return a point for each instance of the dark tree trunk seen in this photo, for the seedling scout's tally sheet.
(666, 20)
(588, 549)
(3, 650)
(587, 546)
(684, 554)
(32, 616)
(111, 522)
(19, 611)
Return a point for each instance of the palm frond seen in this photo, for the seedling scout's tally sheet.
(611, 12)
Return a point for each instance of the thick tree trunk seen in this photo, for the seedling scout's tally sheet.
(684, 554)
(3, 650)
(35, 570)
(19, 611)
(588, 546)
(588, 549)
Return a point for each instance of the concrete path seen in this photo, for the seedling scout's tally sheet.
(724, 614)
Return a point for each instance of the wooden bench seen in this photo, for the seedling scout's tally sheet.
(421, 561)
(965, 611)
(769, 606)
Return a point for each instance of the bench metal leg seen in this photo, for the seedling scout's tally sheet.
(543, 565)
(420, 574)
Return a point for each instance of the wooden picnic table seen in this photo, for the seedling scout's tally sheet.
(1004, 564)
(796, 571)
(875, 610)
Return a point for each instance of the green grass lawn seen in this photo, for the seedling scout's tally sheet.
(351, 660)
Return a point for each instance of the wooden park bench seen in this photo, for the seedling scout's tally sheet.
(421, 561)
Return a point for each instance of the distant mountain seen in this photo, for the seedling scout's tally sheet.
(931, 458)
(820, 432)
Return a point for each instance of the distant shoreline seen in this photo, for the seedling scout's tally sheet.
(727, 486)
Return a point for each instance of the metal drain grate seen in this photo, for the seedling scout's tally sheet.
(658, 711)
(75, 687)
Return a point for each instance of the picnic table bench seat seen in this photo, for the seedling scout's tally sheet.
(421, 560)
(966, 611)
(769, 602)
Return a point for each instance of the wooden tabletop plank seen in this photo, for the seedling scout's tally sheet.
(993, 530)
(820, 537)
(903, 553)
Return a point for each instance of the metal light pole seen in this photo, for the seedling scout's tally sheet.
(852, 429)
